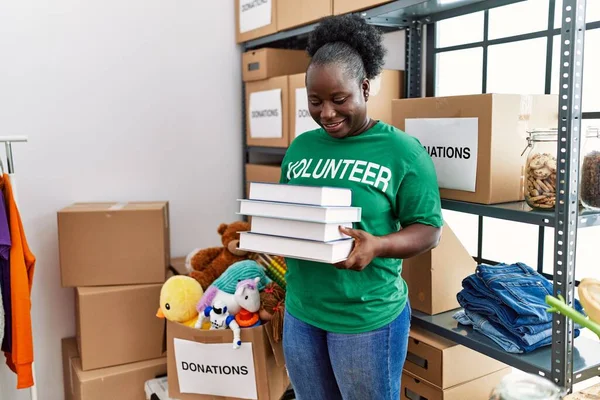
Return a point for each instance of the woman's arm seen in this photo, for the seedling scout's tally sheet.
(408, 242)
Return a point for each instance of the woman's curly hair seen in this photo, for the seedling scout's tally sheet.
(349, 41)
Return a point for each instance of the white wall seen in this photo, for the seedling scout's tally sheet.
(121, 100)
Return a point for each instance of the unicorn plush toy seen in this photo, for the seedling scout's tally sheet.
(246, 296)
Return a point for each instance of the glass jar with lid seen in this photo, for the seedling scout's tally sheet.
(589, 170)
(539, 183)
(521, 386)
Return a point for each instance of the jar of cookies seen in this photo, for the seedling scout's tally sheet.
(589, 170)
(540, 169)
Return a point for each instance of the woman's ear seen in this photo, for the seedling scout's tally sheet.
(366, 87)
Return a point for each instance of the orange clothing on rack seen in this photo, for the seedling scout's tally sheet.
(22, 263)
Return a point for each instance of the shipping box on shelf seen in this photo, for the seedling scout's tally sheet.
(346, 6)
(261, 173)
(254, 19)
(267, 63)
(293, 13)
(267, 112)
(444, 363)
(203, 365)
(300, 119)
(476, 141)
(388, 86)
(385, 88)
(113, 243)
(118, 325)
(480, 388)
(435, 277)
(120, 382)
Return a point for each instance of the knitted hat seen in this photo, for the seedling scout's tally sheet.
(239, 271)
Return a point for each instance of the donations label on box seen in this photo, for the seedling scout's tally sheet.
(255, 14)
(215, 369)
(452, 145)
(304, 121)
(266, 114)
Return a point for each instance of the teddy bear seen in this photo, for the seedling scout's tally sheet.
(206, 265)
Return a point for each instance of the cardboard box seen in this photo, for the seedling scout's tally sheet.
(229, 371)
(345, 6)
(255, 18)
(385, 88)
(476, 141)
(293, 13)
(267, 63)
(261, 173)
(590, 393)
(435, 277)
(444, 363)
(118, 325)
(113, 243)
(414, 388)
(389, 85)
(267, 112)
(120, 382)
(69, 351)
(300, 120)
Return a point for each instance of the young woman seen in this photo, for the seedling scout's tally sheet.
(346, 325)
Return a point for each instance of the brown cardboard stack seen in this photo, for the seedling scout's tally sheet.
(277, 102)
(116, 257)
(439, 369)
(266, 78)
(258, 18)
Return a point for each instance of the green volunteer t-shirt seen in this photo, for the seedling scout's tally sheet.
(393, 180)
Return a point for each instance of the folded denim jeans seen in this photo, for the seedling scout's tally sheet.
(510, 295)
(503, 338)
(484, 327)
(508, 301)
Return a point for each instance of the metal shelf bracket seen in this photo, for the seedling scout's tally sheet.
(567, 206)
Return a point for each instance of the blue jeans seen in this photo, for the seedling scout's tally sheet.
(331, 366)
(507, 303)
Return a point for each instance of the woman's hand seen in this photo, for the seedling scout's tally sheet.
(366, 248)
(408, 242)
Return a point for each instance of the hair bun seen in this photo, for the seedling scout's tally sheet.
(353, 30)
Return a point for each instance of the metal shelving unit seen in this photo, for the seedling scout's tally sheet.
(567, 361)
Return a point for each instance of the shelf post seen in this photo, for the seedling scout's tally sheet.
(567, 204)
(413, 59)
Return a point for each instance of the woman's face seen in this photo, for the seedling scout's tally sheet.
(336, 101)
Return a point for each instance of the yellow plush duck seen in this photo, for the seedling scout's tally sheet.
(178, 298)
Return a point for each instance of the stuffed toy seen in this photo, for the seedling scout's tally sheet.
(238, 287)
(246, 296)
(179, 296)
(272, 308)
(219, 319)
(206, 265)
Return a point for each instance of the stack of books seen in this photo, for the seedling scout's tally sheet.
(299, 221)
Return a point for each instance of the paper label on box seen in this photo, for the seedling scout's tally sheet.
(215, 369)
(254, 14)
(266, 114)
(304, 122)
(452, 144)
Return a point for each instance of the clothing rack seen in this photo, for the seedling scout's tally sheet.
(8, 141)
